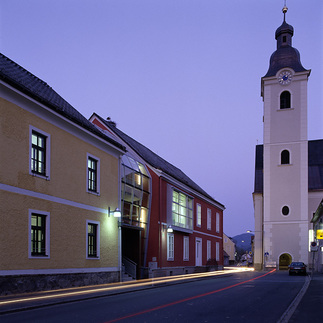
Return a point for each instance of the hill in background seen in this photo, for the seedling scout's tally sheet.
(243, 241)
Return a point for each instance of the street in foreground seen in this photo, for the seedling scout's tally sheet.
(238, 297)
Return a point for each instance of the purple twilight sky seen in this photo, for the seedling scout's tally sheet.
(180, 76)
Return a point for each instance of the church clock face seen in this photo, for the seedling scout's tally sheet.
(285, 77)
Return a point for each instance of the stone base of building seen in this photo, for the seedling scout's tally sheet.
(33, 283)
(258, 266)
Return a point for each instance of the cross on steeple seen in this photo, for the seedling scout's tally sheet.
(285, 10)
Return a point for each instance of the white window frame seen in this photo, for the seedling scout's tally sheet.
(97, 241)
(97, 174)
(47, 135)
(47, 234)
(208, 250)
(217, 222)
(170, 246)
(181, 216)
(198, 215)
(217, 251)
(186, 248)
(209, 219)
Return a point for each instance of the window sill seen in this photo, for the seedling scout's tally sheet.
(182, 229)
(46, 177)
(39, 257)
(94, 193)
(286, 109)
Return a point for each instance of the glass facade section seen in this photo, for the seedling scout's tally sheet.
(135, 190)
(182, 210)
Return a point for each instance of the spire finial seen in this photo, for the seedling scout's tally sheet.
(285, 9)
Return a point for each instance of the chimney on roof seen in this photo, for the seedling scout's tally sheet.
(112, 123)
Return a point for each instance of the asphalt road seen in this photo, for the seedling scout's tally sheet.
(241, 297)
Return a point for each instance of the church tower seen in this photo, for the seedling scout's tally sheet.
(281, 210)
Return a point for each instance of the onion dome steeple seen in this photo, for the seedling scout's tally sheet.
(285, 55)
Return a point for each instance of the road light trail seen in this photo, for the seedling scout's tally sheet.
(187, 299)
(119, 286)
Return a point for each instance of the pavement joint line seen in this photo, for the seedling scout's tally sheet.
(292, 307)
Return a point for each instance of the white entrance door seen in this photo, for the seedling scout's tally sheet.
(198, 252)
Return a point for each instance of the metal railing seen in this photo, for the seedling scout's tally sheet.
(130, 267)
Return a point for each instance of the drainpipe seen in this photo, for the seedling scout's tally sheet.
(160, 226)
(119, 222)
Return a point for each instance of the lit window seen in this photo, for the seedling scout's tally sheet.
(135, 192)
(39, 153)
(93, 245)
(93, 174)
(198, 215)
(170, 246)
(182, 210)
(209, 219)
(138, 180)
(285, 100)
(39, 234)
(186, 253)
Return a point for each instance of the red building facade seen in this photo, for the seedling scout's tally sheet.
(180, 230)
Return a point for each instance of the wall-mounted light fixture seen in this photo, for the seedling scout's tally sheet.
(116, 213)
(170, 229)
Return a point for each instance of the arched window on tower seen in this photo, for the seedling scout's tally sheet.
(285, 100)
(284, 157)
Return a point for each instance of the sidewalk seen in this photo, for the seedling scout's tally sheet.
(310, 308)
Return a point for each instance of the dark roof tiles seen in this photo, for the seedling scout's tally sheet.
(156, 161)
(29, 84)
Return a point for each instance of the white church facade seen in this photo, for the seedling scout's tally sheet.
(289, 168)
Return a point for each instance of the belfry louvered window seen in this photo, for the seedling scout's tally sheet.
(284, 157)
(285, 100)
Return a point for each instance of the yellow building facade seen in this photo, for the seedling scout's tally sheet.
(230, 248)
(59, 179)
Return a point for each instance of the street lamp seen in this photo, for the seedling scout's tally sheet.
(116, 213)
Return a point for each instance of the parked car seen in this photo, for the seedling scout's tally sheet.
(297, 268)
